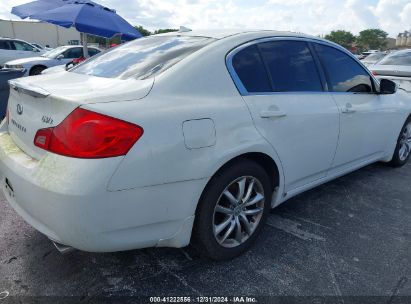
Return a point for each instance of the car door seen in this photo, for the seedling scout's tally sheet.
(366, 117)
(281, 83)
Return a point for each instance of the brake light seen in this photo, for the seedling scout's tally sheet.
(374, 73)
(86, 134)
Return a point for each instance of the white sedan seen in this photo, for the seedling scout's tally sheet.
(192, 137)
(11, 49)
(58, 56)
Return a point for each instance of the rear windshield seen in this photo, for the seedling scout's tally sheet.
(142, 58)
(377, 56)
(400, 58)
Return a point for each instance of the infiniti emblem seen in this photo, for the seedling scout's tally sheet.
(19, 109)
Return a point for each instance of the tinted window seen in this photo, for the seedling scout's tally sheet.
(250, 69)
(343, 72)
(291, 66)
(22, 46)
(73, 53)
(400, 58)
(93, 52)
(142, 58)
(5, 45)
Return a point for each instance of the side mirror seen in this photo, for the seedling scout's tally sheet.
(59, 57)
(69, 65)
(387, 86)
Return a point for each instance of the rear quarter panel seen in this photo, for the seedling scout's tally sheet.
(199, 87)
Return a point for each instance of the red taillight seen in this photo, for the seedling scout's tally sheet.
(374, 73)
(86, 134)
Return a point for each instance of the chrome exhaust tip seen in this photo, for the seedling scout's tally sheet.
(63, 249)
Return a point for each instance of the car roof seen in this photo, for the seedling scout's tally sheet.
(224, 33)
(9, 38)
(402, 51)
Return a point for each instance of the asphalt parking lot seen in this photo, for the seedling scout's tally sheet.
(350, 237)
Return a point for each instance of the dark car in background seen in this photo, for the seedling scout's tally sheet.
(5, 76)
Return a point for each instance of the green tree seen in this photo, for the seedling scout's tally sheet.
(372, 39)
(162, 31)
(143, 31)
(343, 38)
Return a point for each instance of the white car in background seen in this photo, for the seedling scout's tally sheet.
(396, 67)
(11, 49)
(192, 137)
(373, 58)
(58, 56)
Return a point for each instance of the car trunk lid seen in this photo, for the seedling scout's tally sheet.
(45, 101)
(392, 70)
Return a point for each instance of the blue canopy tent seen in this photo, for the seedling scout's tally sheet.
(86, 16)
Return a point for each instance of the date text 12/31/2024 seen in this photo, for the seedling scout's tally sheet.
(202, 299)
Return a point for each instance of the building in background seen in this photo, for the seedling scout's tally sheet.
(391, 44)
(39, 32)
(404, 40)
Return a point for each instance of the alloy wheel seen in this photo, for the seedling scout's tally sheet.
(238, 211)
(405, 143)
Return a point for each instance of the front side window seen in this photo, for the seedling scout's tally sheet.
(142, 58)
(400, 58)
(22, 46)
(344, 74)
(249, 67)
(73, 53)
(93, 52)
(291, 66)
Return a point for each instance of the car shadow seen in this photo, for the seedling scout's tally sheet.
(339, 238)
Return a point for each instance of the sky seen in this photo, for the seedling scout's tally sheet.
(315, 17)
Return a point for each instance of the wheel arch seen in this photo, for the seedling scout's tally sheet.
(37, 66)
(271, 165)
(392, 148)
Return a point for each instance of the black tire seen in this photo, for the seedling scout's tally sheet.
(397, 161)
(203, 233)
(37, 70)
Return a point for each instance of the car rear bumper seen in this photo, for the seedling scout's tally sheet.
(67, 200)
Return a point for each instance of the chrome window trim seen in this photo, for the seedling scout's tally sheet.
(243, 91)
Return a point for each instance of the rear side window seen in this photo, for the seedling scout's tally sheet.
(291, 66)
(250, 69)
(142, 58)
(344, 74)
(4, 45)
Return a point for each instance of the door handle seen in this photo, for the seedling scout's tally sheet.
(272, 114)
(348, 109)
